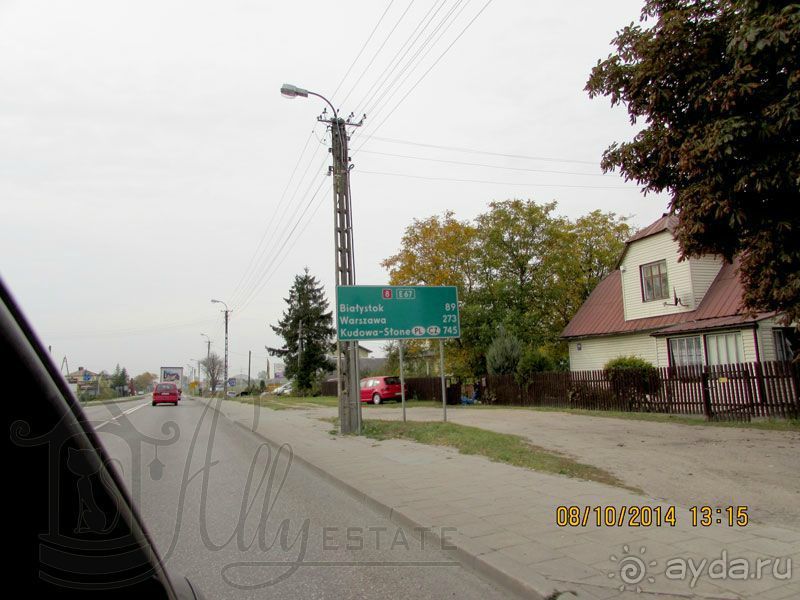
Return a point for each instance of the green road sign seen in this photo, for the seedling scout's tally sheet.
(386, 312)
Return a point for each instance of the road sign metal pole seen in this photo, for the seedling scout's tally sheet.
(441, 369)
(402, 381)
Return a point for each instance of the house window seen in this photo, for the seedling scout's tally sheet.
(725, 348)
(686, 351)
(654, 281)
(786, 343)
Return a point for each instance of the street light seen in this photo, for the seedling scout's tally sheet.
(208, 341)
(225, 382)
(349, 401)
(292, 91)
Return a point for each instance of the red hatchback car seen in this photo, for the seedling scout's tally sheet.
(378, 389)
(166, 393)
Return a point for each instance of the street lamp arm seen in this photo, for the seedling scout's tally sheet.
(221, 302)
(335, 112)
(292, 91)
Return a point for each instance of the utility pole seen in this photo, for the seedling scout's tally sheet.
(350, 398)
(299, 343)
(208, 341)
(349, 391)
(249, 355)
(225, 368)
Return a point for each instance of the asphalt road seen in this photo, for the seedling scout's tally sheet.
(243, 521)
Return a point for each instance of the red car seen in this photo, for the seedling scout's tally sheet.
(166, 393)
(378, 389)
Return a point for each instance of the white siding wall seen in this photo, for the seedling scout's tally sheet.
(596, 352)
(660, 246)
(766, 341)
(704, 270)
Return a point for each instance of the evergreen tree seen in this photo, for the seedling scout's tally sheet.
(307, 329)
(504, 353)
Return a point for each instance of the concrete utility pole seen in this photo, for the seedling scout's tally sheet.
(299, 343)
(249, 356)
(349, 390)
(350, 399)
(208, 341)
(225, 367)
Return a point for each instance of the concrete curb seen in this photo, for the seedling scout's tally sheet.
(461, 553)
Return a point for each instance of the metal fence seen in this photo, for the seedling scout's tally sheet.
(719, 392)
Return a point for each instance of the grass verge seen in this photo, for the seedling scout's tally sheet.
(498, 447)
(288, 402)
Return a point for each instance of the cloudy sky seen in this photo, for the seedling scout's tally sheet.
(148, 162)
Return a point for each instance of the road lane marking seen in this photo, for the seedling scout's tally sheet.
(127, 412)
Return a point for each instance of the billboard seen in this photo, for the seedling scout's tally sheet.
(172, 374)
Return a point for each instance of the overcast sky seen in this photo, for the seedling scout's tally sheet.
(148, 162)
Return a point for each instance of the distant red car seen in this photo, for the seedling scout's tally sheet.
(378, 389)
(166, 393)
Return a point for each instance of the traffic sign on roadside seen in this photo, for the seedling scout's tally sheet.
(385, 312)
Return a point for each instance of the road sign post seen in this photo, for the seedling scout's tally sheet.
(402, 380)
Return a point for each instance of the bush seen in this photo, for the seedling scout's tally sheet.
(533, 361)
(632, 377)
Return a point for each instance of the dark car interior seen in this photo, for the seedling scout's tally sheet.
(73, 528)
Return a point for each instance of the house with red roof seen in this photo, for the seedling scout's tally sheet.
(672, 312)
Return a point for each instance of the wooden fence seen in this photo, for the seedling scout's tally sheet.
(721, 392)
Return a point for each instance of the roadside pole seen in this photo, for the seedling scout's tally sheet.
(402, 381)
(441, 372)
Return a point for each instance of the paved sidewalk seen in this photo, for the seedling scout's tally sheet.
(689, 465)
(503, 520)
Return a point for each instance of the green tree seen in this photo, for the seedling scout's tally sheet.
(718, 84)
(514, 241)
(580, 254)
(504, 353)
(307, 330)
(144, 381)
(436, 251)
(119, 380)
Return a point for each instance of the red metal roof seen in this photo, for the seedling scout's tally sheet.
(667, 222)
(602, 313)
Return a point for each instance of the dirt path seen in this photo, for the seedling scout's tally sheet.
(686, 464)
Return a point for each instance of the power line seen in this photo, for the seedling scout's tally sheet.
(266, 229)
(473, 164)
(427, 19)
(255, 292)
(528, 184)
(484, 152)
(429, 69)
(276, 223)
(262, 267)
(426, 46)
(377, 52)
(363, 47)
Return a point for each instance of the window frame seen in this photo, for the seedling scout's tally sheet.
(784, 352)
(700, 351)
(738, 341)
(663, 277)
